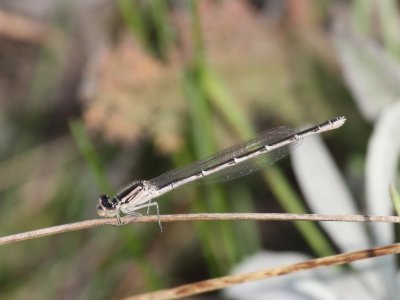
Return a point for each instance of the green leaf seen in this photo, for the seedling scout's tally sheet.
(395, 196)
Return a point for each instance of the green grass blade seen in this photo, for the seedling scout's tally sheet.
(273, 176)
(395, 196)
(87, 149)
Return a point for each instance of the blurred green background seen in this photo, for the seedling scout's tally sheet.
(95, 94)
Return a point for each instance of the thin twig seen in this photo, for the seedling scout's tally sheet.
(194, 217)
(227, 281)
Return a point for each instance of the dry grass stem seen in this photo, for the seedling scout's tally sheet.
(194, 217)
(227, 281)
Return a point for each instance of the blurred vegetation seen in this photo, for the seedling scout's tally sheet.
(102, 95)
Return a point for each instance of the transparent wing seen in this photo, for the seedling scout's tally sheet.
(246, 167)
(250, 166)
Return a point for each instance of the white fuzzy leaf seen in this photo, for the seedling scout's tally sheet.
(326, 192)
(381, 168)
(372, 74)
(325, 284)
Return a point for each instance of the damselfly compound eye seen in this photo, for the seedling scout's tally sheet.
(105, 207)
(104, 201)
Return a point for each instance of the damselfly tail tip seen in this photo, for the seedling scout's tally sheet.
(338, 121)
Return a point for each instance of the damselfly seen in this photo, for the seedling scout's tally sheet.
(236, 161)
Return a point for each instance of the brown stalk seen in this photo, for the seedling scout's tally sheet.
(227, 281)
(194, 217)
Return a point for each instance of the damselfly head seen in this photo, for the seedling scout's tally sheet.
(107, 206)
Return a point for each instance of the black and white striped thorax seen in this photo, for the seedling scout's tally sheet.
(135, 195)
